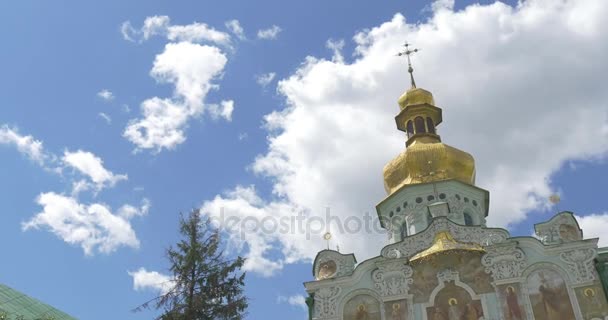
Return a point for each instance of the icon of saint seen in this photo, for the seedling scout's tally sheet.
(362, 313)
(397, 313)
(513, 304)
(453, 310)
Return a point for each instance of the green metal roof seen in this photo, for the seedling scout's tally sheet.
(15, 305)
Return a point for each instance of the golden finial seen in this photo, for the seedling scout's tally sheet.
(555, 199)
(327, 237)
(409, 52)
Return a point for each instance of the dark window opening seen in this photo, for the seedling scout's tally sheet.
(429, 125)
(468, 220)
(419, 123)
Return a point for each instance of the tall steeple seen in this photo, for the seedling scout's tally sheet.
(426, 158)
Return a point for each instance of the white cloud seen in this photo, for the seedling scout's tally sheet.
(151, 280)
(92, 226)
(336, 47)
(295, 300)
(522, 110)
(235, 27)
(161, 26)
(197, 32)
(595, 226)
(127, 31)
(26, 145)
(106, 95)
(92, 166)
(191, 68)
(265, 79)
(128, 211)
(223, 110)
(270, 33)
(105, 117)
(155, 25)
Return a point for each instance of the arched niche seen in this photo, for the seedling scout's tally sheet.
(547, 292)
(361, 304)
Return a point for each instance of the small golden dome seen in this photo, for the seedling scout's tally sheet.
(415, 96)
(444, 241)
(426, 161)
(426, 158)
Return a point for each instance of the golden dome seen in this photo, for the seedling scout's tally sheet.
(445, 242)
(426, 158)
(425, 162)
(415, 96)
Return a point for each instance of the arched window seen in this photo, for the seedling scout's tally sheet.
(410, 128)
(403, 230)
(468, 220)
(429, 125)
(419, 122)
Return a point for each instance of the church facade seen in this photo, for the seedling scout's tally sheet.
(443, 263)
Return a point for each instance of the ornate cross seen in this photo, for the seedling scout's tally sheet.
(407, 53)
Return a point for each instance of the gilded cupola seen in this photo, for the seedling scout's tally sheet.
(426, 158)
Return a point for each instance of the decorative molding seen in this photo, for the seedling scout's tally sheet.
(392, 278)
(504, 261)
(326, 302)
(345, 264)
(579, 263)
(420, 241)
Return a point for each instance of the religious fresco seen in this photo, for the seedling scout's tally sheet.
(454, 303)
(327, 269)
(362, 307)
(549, 296)
(395, 310)
(592, 302)
(569, 232)
(467, 264)
(511, 300)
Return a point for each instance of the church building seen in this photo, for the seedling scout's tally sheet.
(442, 262)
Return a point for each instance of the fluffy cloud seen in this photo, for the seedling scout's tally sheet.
(161, 26)
(223, 110)
(595, 226)
(265, 79)
(296, 300)
(106, 95)
(270, 33)
(151, 280)
(94, 227)
(522, 109)
(235, 27)
(92, 166)
(26, 145)
(191, 68)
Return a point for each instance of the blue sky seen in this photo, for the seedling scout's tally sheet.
(93, 185)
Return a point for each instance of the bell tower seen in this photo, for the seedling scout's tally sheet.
(429, 178)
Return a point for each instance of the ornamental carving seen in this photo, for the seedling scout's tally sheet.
(392, 278)
(420, 241)
(561, 228)
(504, 261)
(326, 302)
(448, 275)
(331, 264)
(579, 263)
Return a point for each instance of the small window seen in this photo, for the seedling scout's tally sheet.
(429, 125)
(403, 230)
(468, 220)
(410, 129)
(419, 122)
